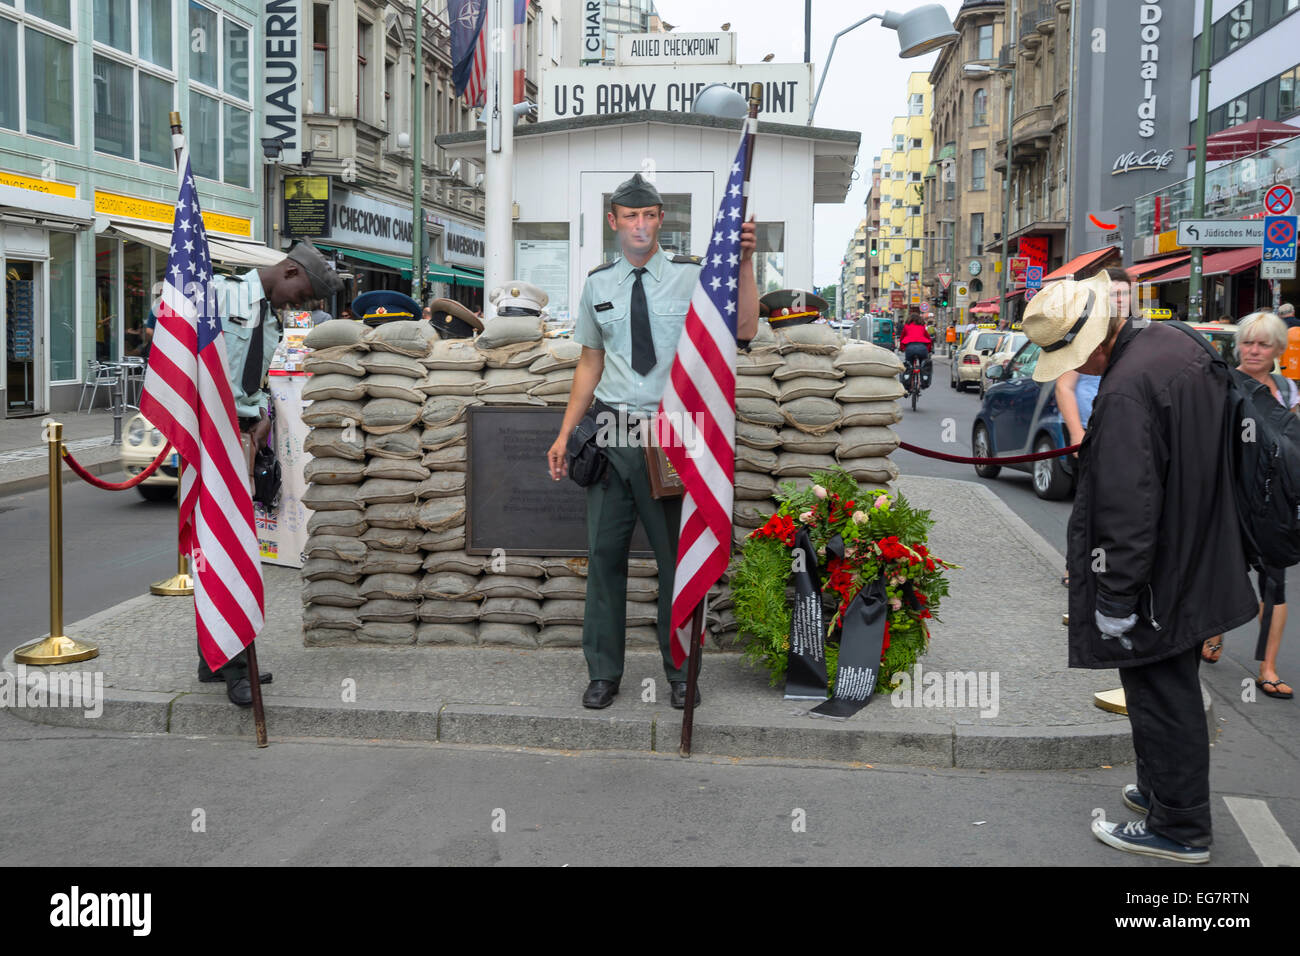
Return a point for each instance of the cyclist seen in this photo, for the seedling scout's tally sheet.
(917, 342)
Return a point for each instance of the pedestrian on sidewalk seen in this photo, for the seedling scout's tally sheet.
(1156, 562)
(1261, 339)
(630, 319)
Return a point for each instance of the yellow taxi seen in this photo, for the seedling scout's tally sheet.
(970, 358)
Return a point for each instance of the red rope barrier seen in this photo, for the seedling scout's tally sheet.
(1009, 460)
(131, 482)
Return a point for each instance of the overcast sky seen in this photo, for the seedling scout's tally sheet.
(866, 88)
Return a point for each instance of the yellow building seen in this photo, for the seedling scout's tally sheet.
(902, 197)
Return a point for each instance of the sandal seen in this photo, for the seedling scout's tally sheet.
(1279, 694)
(1215, 649)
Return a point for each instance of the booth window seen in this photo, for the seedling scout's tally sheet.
(542, 256)
(37, 75)
(219, 130)
(769, 256)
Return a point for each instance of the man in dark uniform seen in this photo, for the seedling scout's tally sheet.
(451, 320)
(629, 321)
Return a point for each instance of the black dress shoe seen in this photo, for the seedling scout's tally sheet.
(600, 694)
(679, 694)
(206, 676)
(240, 692)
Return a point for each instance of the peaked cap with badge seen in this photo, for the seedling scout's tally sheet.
(384, 305)
(451, 320)
(518, 298)
(785, 308)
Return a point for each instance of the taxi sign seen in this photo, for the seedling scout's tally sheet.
(1157, 313)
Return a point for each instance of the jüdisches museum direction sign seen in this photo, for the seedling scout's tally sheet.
(1134, 67)
(602, 90)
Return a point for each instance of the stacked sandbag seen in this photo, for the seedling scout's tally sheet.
(385, 559)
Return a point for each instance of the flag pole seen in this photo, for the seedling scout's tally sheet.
(697, 618)
(255, 685)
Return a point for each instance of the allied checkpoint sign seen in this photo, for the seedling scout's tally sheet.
(605, 90)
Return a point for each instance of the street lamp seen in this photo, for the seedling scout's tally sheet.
(919, 31)
(718, 99)
(983, 69)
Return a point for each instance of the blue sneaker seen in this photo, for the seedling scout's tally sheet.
(1134, 800)
(1133, 837)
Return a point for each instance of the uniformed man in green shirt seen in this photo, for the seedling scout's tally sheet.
(629, 321)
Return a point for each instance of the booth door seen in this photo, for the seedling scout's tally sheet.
(689, 204)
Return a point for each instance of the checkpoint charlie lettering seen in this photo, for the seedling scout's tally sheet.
(373, 224)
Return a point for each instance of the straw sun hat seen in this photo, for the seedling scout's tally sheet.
(1068, 319)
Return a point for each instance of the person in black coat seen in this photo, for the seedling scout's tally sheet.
(1156, 561)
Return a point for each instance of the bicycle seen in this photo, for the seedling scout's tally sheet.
(914, 380)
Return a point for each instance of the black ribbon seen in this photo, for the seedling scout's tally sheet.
(862, 642)
(805, 676)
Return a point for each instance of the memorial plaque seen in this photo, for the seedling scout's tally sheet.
(511, 501)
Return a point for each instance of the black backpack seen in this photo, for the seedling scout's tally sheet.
(1262, 444)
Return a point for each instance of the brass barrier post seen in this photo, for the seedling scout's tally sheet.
(58, 648)
(179, 584)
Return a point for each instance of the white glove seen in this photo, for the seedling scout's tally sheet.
(1115, 627)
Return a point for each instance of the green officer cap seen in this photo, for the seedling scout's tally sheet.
(636, 193)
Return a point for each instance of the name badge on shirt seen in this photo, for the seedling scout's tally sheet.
(604, 306)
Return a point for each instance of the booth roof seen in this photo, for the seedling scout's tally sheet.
(833, 165)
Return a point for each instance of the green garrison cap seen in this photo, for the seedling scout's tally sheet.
(636, 193)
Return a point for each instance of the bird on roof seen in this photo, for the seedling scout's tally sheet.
(726, 27)
(768, 58)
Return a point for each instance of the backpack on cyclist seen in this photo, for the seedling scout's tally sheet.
(1261, 441)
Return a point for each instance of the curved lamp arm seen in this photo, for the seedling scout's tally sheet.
(826, 69)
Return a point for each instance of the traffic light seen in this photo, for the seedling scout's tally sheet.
(943, 300)
(874, 250)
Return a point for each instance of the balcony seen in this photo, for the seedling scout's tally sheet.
(1045, 21)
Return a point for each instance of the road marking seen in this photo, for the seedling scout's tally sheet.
(1263, 832)
(41, 451)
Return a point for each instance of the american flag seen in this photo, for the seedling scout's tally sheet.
(469, 49)
(696, 425)
(187, 397)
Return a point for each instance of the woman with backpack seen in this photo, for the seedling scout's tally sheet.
(1261, 340)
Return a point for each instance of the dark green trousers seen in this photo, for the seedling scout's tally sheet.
(613, 508)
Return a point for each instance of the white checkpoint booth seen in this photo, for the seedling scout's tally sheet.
(565, 169)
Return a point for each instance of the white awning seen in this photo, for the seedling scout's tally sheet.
(229, 251)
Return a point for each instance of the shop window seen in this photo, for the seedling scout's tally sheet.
(106, 288)
(220, 109)
(63, 307)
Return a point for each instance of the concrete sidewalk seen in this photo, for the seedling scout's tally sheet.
(1002, 622)
(24, 455)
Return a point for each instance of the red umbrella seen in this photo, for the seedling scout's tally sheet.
(1246, 138)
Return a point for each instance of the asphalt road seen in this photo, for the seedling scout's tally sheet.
(115, 544)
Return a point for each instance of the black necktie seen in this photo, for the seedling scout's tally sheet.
(643, 343)
(253, 360)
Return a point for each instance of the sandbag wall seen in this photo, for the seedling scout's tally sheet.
(385, 558)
